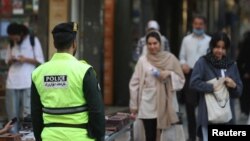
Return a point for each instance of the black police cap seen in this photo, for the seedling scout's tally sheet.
(65, 32)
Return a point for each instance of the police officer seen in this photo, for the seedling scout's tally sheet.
(66, 102)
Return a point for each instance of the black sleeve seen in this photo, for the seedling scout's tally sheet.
(36, 113)
(92, 94)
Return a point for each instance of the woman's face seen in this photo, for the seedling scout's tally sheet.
(219, 50)
(153, 45)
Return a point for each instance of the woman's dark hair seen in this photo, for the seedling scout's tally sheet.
(219, 36)
(17, 29)
(154, 34)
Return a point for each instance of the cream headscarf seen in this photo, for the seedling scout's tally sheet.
(165, 62)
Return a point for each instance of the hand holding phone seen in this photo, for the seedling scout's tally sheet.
(14, 120)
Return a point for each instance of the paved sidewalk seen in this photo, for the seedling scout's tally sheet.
(109, 110)
(240, 118)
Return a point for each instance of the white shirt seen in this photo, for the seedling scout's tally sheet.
(19, 74)
(192, 48)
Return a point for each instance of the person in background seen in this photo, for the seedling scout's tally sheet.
(66, 100)
(215, 64)
(192, 48)
(22, 58)
(153, 85)
(141, 45)
(6, 128)
(244, 67)
(141, 49)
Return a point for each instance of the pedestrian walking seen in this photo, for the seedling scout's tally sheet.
(215, 65)
(153, 85)
(244, 68)
(66, 100)
(6, 128)
(141, 49)
(193, 47)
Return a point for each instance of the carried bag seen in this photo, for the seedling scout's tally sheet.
(173, 133)
(218, 103)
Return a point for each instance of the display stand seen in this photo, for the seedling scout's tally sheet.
(111, 136)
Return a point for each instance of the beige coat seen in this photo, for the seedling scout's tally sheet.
(137, 83)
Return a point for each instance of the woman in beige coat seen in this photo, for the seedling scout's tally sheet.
(153, 87)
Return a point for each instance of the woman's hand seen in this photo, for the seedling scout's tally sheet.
(185, 68)
(164, 74)
(21, 59)
(155, 72)
(230, 82)
(133, 114)
(7, 127)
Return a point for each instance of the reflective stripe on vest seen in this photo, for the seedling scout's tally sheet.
(59, 83)
(66, 110)
(84, 125)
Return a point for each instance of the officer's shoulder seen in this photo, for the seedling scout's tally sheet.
(84, 63)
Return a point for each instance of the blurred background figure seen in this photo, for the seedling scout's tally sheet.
(193, 47)
(6, 128)
(23, 55)
(244, 68)
(141, 45)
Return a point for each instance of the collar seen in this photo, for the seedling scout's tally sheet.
(198, 37)
(63, 56)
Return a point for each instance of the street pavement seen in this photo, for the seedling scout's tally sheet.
(240, 118)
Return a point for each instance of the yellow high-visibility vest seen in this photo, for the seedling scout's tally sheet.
(59, 83)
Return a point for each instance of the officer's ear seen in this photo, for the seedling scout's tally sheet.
(74, 45)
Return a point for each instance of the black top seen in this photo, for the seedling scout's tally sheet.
(93, 97)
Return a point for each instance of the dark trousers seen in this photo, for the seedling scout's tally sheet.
(150, 129)
(245, 97)
(191, 99)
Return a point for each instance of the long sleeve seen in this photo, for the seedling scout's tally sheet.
(36, 113)
(92, 94)
(239, 86)
(8, 55)
(182, 55)
(177, 81)
(134, 85)
(197, 81)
